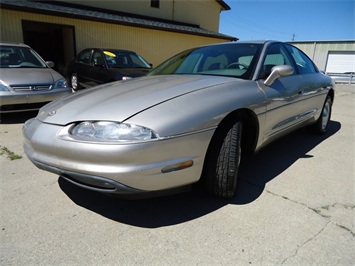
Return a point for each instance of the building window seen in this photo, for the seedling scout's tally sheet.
(154, 3)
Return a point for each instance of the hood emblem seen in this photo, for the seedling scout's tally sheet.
(51, 113)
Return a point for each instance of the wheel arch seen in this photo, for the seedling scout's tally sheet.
(250, 131)
(331, 94)
(250, 128)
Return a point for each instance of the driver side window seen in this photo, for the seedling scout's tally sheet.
(84, 57)
(275, 56)
(98, 59)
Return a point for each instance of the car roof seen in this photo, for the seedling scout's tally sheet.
(109, 49)
(236, 43)
(14, 44)
(256, 41)
(253, 41)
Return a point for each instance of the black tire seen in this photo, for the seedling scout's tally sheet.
(222, 162)
(74, 82)
(322, 124)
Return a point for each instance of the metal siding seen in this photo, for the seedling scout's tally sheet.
(204, 13)
(318, 51)
(154, 45)
(11, 28)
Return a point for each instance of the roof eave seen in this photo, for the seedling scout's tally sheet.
(202, 32)
(224, 5)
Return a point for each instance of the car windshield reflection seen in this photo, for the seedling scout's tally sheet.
(119, 59)
(227, 60)
(20, 57)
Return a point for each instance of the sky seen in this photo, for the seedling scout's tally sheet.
(289, 20)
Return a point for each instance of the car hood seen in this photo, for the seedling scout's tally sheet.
(28, 76)
(118, 101)
(129, 72)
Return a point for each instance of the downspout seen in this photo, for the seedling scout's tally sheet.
(314, 50)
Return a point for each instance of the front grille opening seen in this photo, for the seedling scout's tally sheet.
(34, 88)
(21, 107)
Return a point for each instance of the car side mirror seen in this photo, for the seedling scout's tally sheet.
(277, 72)
(50, 64)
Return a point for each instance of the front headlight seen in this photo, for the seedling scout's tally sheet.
(61, 83)
(106, 131)
(3, 86)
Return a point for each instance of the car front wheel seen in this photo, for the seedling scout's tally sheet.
(222, 163)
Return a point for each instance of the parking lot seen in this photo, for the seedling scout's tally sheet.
(295, 206)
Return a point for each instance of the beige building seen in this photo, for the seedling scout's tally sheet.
(156, 29)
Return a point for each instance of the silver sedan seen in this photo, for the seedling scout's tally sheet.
(190, 120)
(27, 82)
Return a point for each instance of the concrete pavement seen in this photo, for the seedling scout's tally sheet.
(295, 207)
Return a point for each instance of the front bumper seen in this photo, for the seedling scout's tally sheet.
(108, 186)
(17, 101)
(117, 168)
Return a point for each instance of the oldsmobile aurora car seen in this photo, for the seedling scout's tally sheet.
(189, 120)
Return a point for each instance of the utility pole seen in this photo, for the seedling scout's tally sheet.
(293, 37)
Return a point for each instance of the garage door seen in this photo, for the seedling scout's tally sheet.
(341, 62)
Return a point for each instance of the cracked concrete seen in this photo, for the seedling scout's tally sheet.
(342, 215)
(303, 246)
(295, 207)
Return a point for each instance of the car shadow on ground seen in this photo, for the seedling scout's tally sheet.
(255, 173)
(17, 117)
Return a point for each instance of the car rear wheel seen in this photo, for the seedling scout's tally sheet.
(74, 82)
(222, 162)
(323, 121)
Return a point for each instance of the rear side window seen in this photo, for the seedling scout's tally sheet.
(303, 63)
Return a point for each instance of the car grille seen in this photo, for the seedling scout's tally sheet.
(21, 107)
(31, 88)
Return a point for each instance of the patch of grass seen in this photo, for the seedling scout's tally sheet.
(11, 155)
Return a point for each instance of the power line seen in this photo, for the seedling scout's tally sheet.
(249, 27)
(240, 22)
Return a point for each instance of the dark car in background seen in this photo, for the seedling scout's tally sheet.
(94, 66)
(27, 82)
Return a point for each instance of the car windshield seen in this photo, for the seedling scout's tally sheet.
(123, 59)
(19, 57)
(234, 60)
